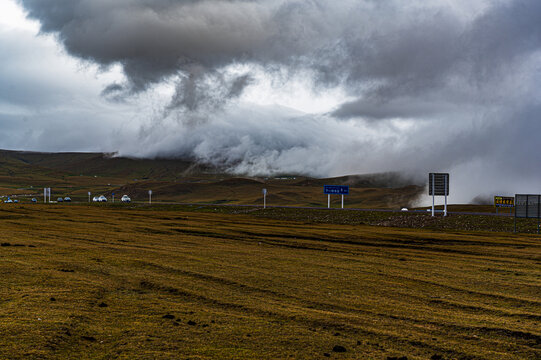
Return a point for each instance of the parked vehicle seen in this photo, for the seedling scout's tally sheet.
(8, 200)
(102, 198)
(67, 198)
(34, 200)
(95, 199)
(59, 199)
(16, 201)
(125, 198)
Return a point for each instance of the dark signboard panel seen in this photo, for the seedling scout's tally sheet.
(439, 182)
(527, 206)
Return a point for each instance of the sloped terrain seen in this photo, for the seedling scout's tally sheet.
(76, 174)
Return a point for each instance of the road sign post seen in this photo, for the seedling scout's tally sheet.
(89, 196)
(335, 190)
(113, 194)
(504, 202)
(150, 196)
(438, 185)
(264, 198)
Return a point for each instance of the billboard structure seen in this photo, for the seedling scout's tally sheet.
(438, 185)
(504, 202)
(335, 190)
(527, 206)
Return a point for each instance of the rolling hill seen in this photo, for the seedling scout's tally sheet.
(24, 174)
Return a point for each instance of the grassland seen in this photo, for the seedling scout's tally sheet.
(94, 282)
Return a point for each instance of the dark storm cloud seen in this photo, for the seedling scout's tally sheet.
(395, 48)
(439, 53)
(155, 39)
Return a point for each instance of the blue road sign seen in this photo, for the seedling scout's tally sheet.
(335, 190)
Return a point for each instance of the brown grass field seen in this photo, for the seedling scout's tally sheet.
(111, 282)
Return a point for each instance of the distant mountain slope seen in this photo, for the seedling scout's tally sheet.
(90, 164)
(76, 174)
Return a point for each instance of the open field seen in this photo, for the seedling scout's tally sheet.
(175, 283)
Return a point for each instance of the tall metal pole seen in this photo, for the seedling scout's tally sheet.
(329, 201)
(342, 201)
(433, 200)
(265, 200)
(445, 184)
(538, 208)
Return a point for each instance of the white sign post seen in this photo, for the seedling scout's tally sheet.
(335, 190)
(438, 185)
(44, 195)
(264, 198)
(433, 192)
(89, 196)
(150, 196)
(49, 193)
(446, 193)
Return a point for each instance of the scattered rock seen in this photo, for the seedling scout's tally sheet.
(31, 246)
(67, 270)
(52, 299)
(192, 323)
(339, 348)
(337, 334)
(103, 305)
(436, 357)
(397, 358)
(168, 316)
(326, 354)
(358, 342)
(88, 338)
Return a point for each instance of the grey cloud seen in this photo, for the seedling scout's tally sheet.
(204, 90)
(403, 48)
(399, 107)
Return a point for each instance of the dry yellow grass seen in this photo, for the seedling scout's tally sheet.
(94, 282)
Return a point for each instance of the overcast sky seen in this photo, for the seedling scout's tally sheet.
(318, 87)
